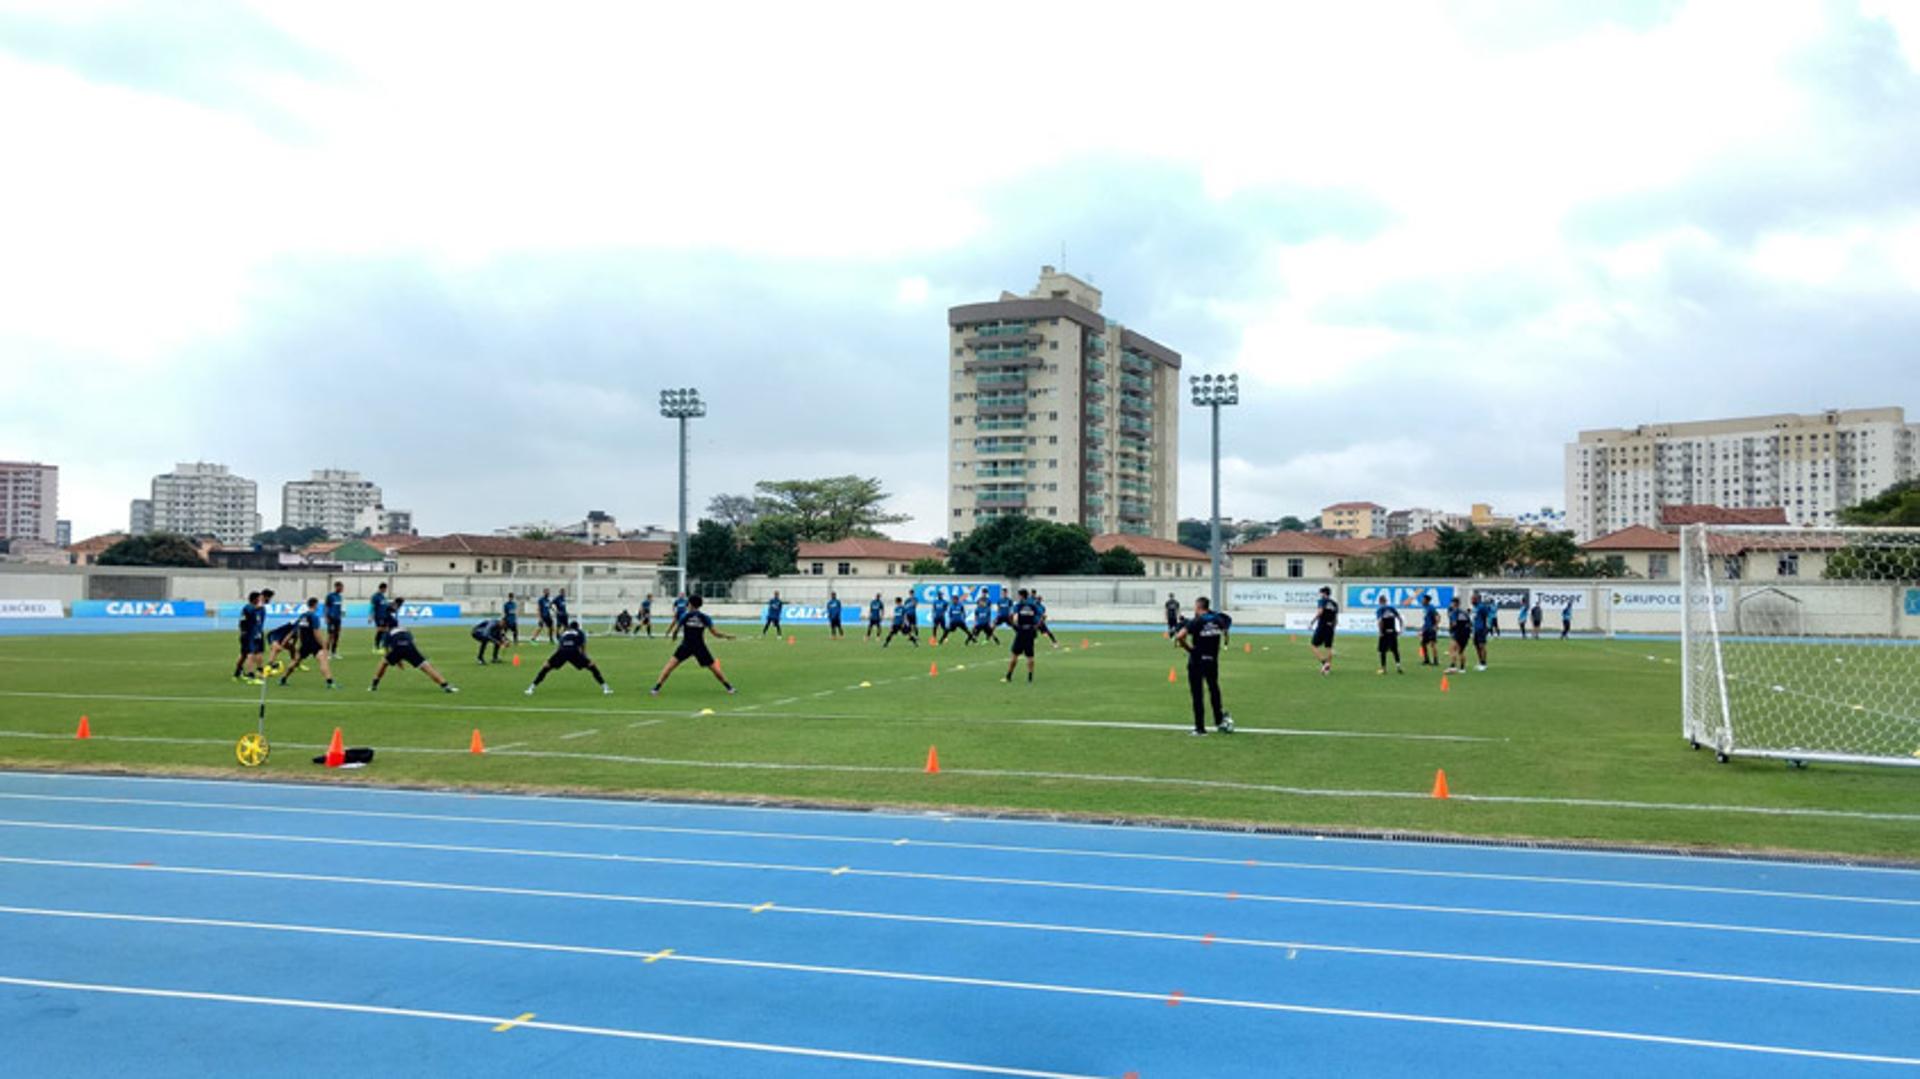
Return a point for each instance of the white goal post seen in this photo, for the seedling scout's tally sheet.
(1801, 643)
(596, 591)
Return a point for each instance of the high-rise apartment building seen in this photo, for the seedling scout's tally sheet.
(201, 499)
(1812, 466)
(139, 516)
(1059, 414)
(29, 500)
(330, 499)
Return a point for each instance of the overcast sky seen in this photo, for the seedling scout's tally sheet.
(461, 247)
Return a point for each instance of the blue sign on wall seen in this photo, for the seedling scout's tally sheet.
(139, 608)
(429, 612)
(355, 612)
(1913, 602)
(1399, 595)
(927, 592)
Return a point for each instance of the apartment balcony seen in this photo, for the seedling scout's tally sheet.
(1135, 365)
(1136, 425)
(1012, 446)
(1096, 370)
(1096, 414)
(1133, 510)
(1002, 380)
(1001, 499)
(1002, 405)
(1141, 386)
(1001, 472)
(1135, 406)
(1005, 423)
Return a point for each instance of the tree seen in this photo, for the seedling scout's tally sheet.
(772, 546)
(1119, 561)
(1290, 523)
(1023, 547)
(1198, 534)
(713, 553)
(289, 538)
(927, 567)
(825, 510)
(734, 511)
(537, 534)
(1897, 505)
(152, 549)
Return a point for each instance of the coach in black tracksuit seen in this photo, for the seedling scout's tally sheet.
(1202, 635)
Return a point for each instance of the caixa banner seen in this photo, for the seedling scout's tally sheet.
(139, 608)
(968, 594)
(353, 612)
(1397, 595)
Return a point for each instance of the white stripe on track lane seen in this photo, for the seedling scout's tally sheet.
(969, 878)
(533, 1024)
(944, 844)
(1210, 940)
(960, 820)
(1077, 777)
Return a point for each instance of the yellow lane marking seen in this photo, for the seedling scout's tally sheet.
(841, 870)
(511, 1023)
(763, 908)
(657, 956)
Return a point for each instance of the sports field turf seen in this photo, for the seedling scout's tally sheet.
(1573, 739)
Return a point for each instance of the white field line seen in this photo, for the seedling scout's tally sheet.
(1079, 777)
(964, 821)
(942, 844)
(969, 878)
(571, 735)
(532, 1024)
(1211, 940)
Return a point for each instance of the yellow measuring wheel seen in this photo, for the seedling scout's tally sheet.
(252, 750)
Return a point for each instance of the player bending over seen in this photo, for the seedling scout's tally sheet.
(695, 627)
(489, 631)
(623, 622)
(572, 652)
(401, 649)
(902, 625)
(305, 641)
(1026, 628)
(1387, 617)
(1202, 636)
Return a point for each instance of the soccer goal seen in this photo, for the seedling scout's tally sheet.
(1801, 644)
(596, 591)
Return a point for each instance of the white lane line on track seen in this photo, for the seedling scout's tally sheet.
(1071, 990)
(943, 844)
(1078, 777)
(533, 1024)
(1213, 940)
(998, 881)
(905, 817)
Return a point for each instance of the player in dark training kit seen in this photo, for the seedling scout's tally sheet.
(1202, 636)
(1026, 629)
(489, 631)
(305, 641)
(1485, 614)
(834, 628)
(510, 618)
(561, 619)
(253, 639)
(1040, 609)
(646, 614)
(571, 652)
(1173, 615)
(695, 626)
(875, 609)
(334, 608)
(544, 605)
(983, 620)
(1429, 631)
(401, 649)
(902, 625)
(1460, 627)
(956, 620)
(382, 616)
(679, 615)
(1387, 617)
(774, 607)
(1325, 621)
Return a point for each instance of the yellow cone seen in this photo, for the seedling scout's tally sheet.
(706, 711)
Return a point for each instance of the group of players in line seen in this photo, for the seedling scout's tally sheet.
(1473, 623)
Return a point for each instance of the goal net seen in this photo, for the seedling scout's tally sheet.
(596, 592)
(1802, 644)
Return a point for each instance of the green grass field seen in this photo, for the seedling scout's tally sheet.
(1552, 724)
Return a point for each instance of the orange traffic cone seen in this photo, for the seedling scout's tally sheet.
(933, 670)
(1171, 676)
(84, 731)
(1249, 647)
(1084, 644)
(474, 744)
(1440, 783)
(790, 639)
(336, 750)
(1443, 683)
(933, 760)
(516, 659)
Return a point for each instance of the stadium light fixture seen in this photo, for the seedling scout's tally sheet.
(682, 404)
(1215, 392)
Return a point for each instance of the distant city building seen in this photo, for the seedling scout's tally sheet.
(202, 499)
(1480, 515)
(1408, 522)
(1355, 520)
(29, 500)
(1060, 414)
(140, 517)
(379, 520)
(599, 527)
(87, 551)
(1811, 465)
(863, 558)
(331, 500)
(62, 533)
(1544, 519)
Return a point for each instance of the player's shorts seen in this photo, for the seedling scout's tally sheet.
(873, 620)
(252, 644)
(512, 622)
(1428, 636)
(1323, 637)
(833, 622)
(309, 645)
(569, 657)
(1023, 642)
(546, 620)
(410, 655)
(689, 650)
(1480, 636)
(1199, 667)
(333, 625)
(1461, 634)
(1389, 642)
(981, 625)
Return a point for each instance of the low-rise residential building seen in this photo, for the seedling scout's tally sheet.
(1354, 520)
(864, 558)
(1162, 558)
(87, 551)
(481, 556)
(1654, 554)
(1293, 556)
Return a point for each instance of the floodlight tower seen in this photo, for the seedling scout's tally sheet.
(683, 405)
(1214, 392)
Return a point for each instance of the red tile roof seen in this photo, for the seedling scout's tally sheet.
(883, 549)
(1673, 516)
(1147, 547)
(1300, 543)
(1634, 538)
(1337, 506)
(550, 550)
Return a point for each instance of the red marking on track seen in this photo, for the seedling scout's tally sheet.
(1131, 1075)
(1250, 861)
(1208, 939)
(1173, 999)
(1233, 895)
(143, 864)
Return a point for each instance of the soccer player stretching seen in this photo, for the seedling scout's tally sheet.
(1040, 610)
(489, 632)
(253, 640)
(572, 652)
(1387, 617)
(956, 620)
(1325, 620)
(401, 649)
(545, 608)
(902, 625)
(1201, 636)
(874, 611)
(1026, 628)
(695, 627)
(983, 620)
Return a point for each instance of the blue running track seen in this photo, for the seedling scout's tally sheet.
(160, 927)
